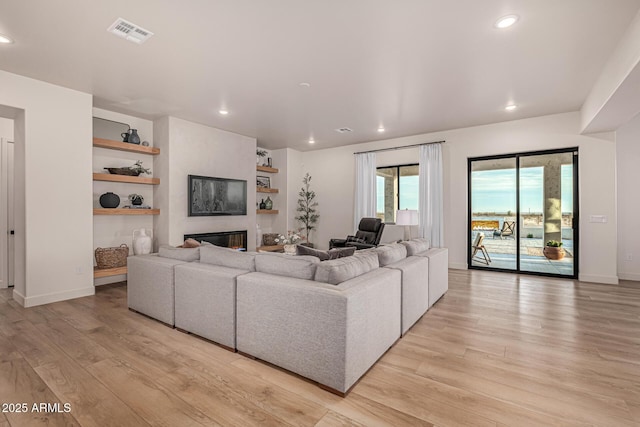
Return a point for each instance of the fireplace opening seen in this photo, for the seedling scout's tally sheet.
(227, 239)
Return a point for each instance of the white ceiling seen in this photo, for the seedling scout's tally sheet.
(413, 66)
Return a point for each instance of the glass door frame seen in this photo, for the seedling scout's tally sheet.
(575, 224)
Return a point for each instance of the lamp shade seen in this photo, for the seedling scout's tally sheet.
(407, 217)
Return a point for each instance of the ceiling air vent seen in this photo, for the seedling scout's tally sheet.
(344, 130)
(132, 32)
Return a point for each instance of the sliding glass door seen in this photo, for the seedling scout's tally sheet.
(523, 210)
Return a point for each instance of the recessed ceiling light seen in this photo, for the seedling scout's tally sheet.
(223, 112)
(5, 39)
(312, 141)
(506, 21)
(305, 84)
(511, 107)
(381, 129)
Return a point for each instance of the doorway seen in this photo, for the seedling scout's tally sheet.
(523, 213)
(7, 217)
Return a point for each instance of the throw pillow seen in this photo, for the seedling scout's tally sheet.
(388, 254)
(340, 270)
(190, 243)
(299, 267)
(182, 254)
(226, 257)
(334, 253)
(416, 246)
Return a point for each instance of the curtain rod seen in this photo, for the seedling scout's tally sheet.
(399, 148)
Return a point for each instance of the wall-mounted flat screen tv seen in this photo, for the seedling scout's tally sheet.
(217, 196)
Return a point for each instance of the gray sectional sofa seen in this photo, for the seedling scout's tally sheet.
(328, 321)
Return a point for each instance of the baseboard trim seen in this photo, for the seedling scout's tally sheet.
(629, 276)
(594, 278)
(56, 296)
(18, 297)
(458, 265)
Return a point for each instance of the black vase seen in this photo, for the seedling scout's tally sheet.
(262, 205)
(133, 137)
(109, 200)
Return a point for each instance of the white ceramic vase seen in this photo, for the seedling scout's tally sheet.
(141, 242)
(290, 249)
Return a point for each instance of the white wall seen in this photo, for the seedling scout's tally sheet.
(53, 193)
(333, 173)
(113, 230)
(191, 149)
(628, 178)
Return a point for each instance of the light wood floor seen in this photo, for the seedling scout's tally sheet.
(497, 350)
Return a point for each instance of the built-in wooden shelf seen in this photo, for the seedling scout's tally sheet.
(125, 178)
(274, 248)
(267, 169)
(125, 211)
(267, 211)
(266, 190)
(107, 272)
(124, 146)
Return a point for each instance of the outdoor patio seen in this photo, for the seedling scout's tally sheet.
(503, 255)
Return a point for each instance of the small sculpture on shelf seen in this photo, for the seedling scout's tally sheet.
(261, 154)
(136, 199)
(134, 170)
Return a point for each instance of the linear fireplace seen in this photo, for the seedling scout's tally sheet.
(226, 239)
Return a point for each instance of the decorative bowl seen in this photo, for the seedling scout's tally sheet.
(123, 171)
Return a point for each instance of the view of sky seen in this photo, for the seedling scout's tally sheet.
(493, 190)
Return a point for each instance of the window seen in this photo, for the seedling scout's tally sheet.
(397, 188)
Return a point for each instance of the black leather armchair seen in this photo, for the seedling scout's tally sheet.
(368, 235)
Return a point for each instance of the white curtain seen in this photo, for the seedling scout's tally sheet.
(431, 198)
(365, 197)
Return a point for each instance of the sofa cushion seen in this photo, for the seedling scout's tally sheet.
(334, 253)
(226, 257)
(300, 267)
(415, 246)
(182, 254)
(340, 270)
(388, 254)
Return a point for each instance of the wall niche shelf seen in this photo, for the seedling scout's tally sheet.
(267, 211)
(125, 178)
(125, 211)
(267, 169)
(267, 190)
(124, 146)
(108, 272)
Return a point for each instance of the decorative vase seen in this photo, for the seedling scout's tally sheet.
(262, 204)
(553, 253)
(109, 200)
(141, 242)
(133, 137)
(268, 204)
(258, 236)
(290, 249)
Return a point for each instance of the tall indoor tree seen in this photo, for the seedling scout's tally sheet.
(307, 213)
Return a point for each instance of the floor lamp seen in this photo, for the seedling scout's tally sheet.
(408, 218)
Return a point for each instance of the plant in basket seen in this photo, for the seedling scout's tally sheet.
(553, 250)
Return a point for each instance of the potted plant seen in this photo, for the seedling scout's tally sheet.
(307, 214)
(553, 250)
(289, 241)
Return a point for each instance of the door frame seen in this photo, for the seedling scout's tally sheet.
(4, 218)
(576, 211)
